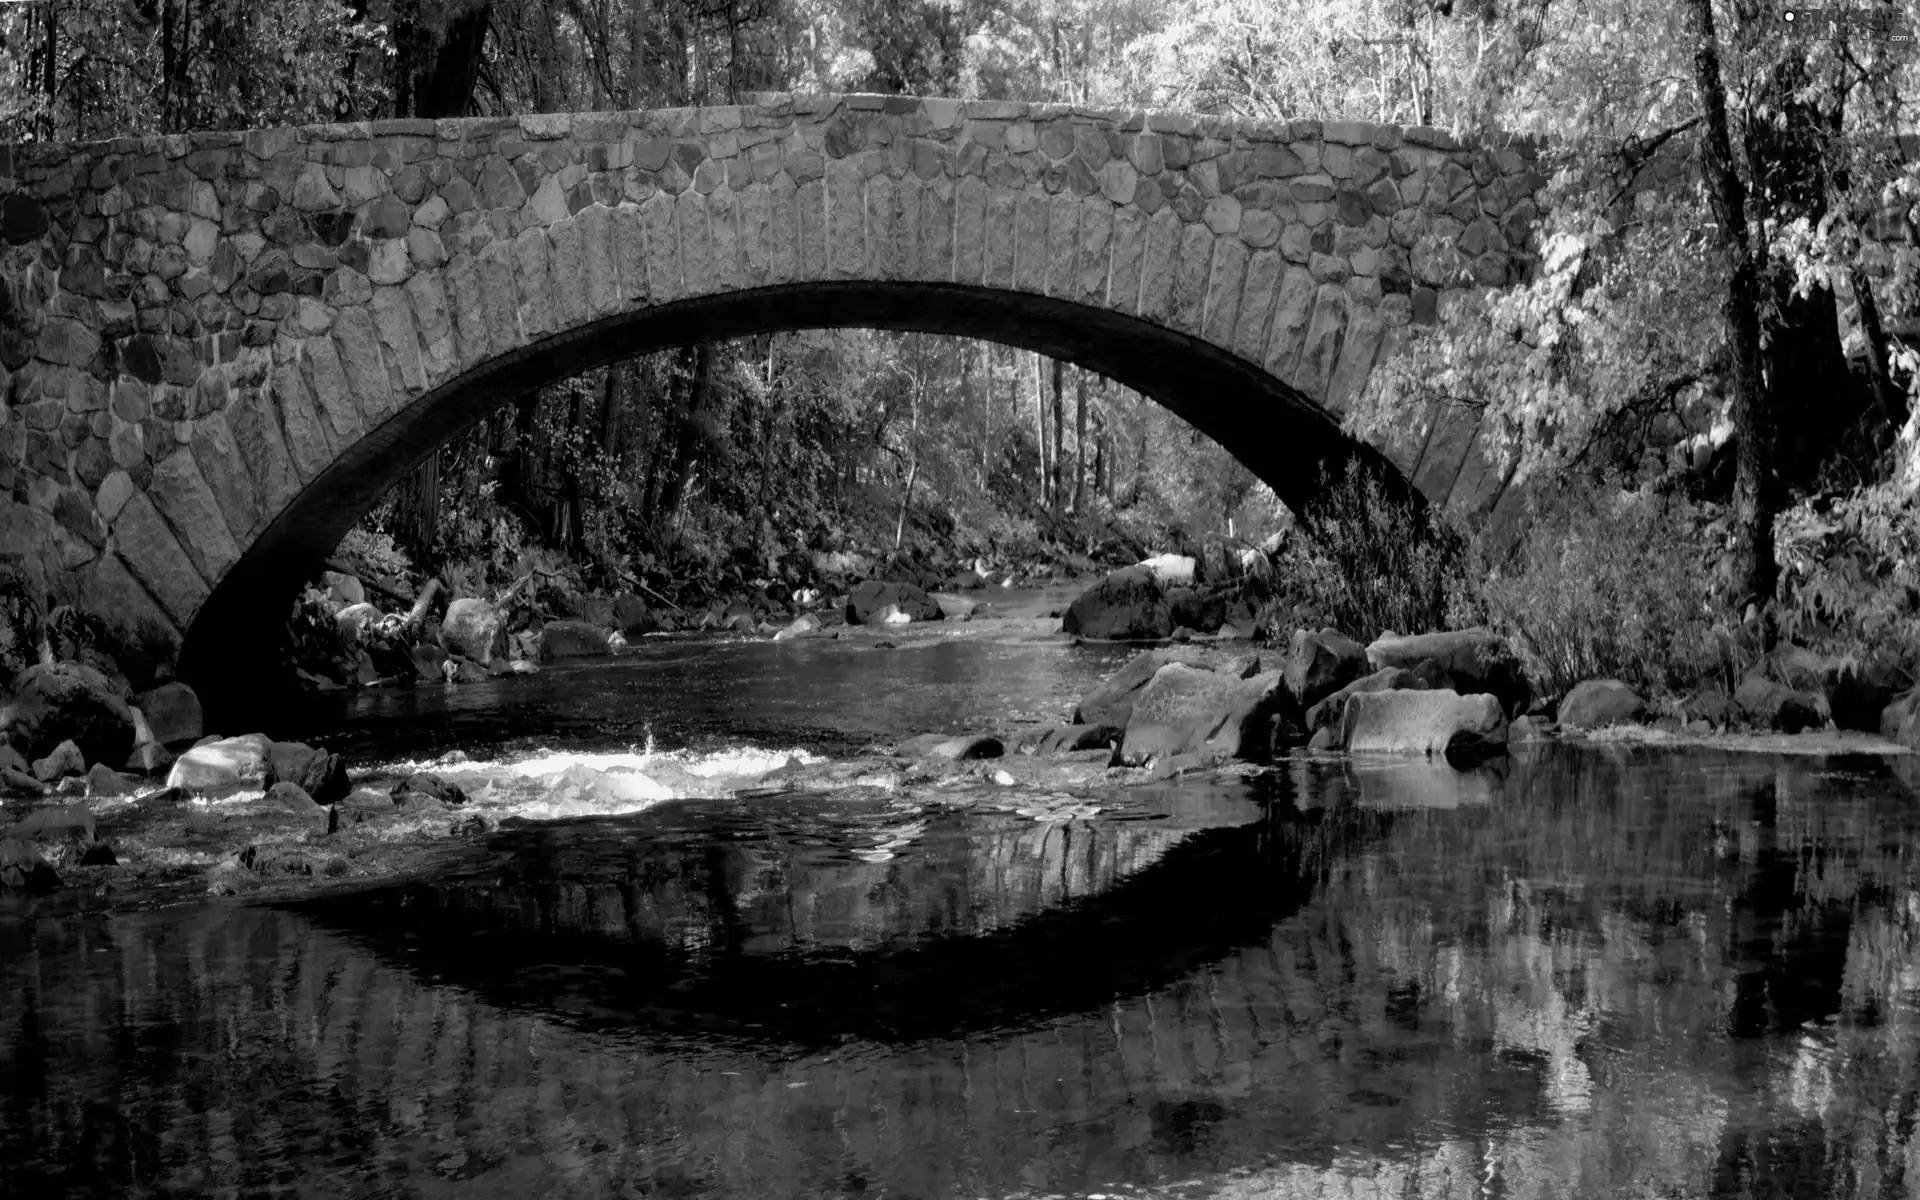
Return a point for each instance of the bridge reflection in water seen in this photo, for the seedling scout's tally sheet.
(1662, 976)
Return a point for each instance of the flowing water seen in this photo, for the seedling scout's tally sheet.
(1586, 973)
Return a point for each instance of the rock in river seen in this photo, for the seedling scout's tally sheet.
(1475, 660)
(1421, 722)
(474, 629)
(173, 713)
(320, 775)
(1597, 702)
(222, 762)
(1128, 605)
(60, 701)
(1320, 664)
(571, 639)
(864, 606)
(1191, 710)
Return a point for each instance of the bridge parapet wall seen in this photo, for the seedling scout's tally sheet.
(194, 328)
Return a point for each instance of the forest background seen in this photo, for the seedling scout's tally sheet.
(1704, 391)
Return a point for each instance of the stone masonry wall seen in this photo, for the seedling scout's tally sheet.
(193, 328)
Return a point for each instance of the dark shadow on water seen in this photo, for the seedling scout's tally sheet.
(517, 934)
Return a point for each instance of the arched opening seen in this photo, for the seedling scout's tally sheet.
(1286, 440)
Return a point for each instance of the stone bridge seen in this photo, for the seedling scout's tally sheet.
(218, 350)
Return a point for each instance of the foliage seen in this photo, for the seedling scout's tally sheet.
(1611, 584)
(375, 552)
(1369, 564)
(1850, 577)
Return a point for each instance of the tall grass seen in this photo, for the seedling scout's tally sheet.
(1612, 585)
(1370, 564)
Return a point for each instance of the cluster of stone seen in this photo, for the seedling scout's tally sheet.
(193, 328)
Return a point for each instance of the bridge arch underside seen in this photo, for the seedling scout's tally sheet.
(1284, 438)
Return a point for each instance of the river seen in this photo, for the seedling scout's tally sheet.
(1585, 972)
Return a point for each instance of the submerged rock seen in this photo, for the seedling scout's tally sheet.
(802, 625)
(425, 785)
(24, 869)
(955, 749)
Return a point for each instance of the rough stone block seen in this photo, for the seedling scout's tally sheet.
(1063, 229)
(1129, 255)
(535, 283)
(970, 231)
(1095, 250)
(400, 342)
(1002, 238)
(567, 260)
(1357, 352)
(846, 219)
(181, 494)
(439, 353)
(262, 447)
(225, 471)
(663, 249)
(1158, 265)
(1225, 281)
(1320, 350)
(370, 385)
(810, 203)
(1190, 271)
(331, 390)
(468, 310)
(500, 294)
(1256, 304)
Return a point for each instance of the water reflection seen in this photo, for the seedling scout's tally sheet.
(1592, 975)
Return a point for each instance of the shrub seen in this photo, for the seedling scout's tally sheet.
(1368, 564)
(1850, 573)
(1613, 585)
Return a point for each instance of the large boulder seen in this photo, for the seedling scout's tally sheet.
(173, 713)
(572, 639)
(1171, 570)
(355, 619)
(60, 701)
(1320, 664)
(1475, 660)
(868, 601)
(1112, 702)
(221, 762)
(1327, 713)
(631, 617)
(474, 629)
(1128, 605)
(1422, 722)
(319, 774)
(62, 761)
(1594, 703)
(1779, 707)
(1191, 710)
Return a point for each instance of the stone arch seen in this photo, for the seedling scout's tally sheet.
(236, 341)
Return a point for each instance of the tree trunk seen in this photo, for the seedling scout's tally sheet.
(1891, 402)
(1756, 497)
(1040, 427)
(687, 444)
(1079, 439)
(1059, 434)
